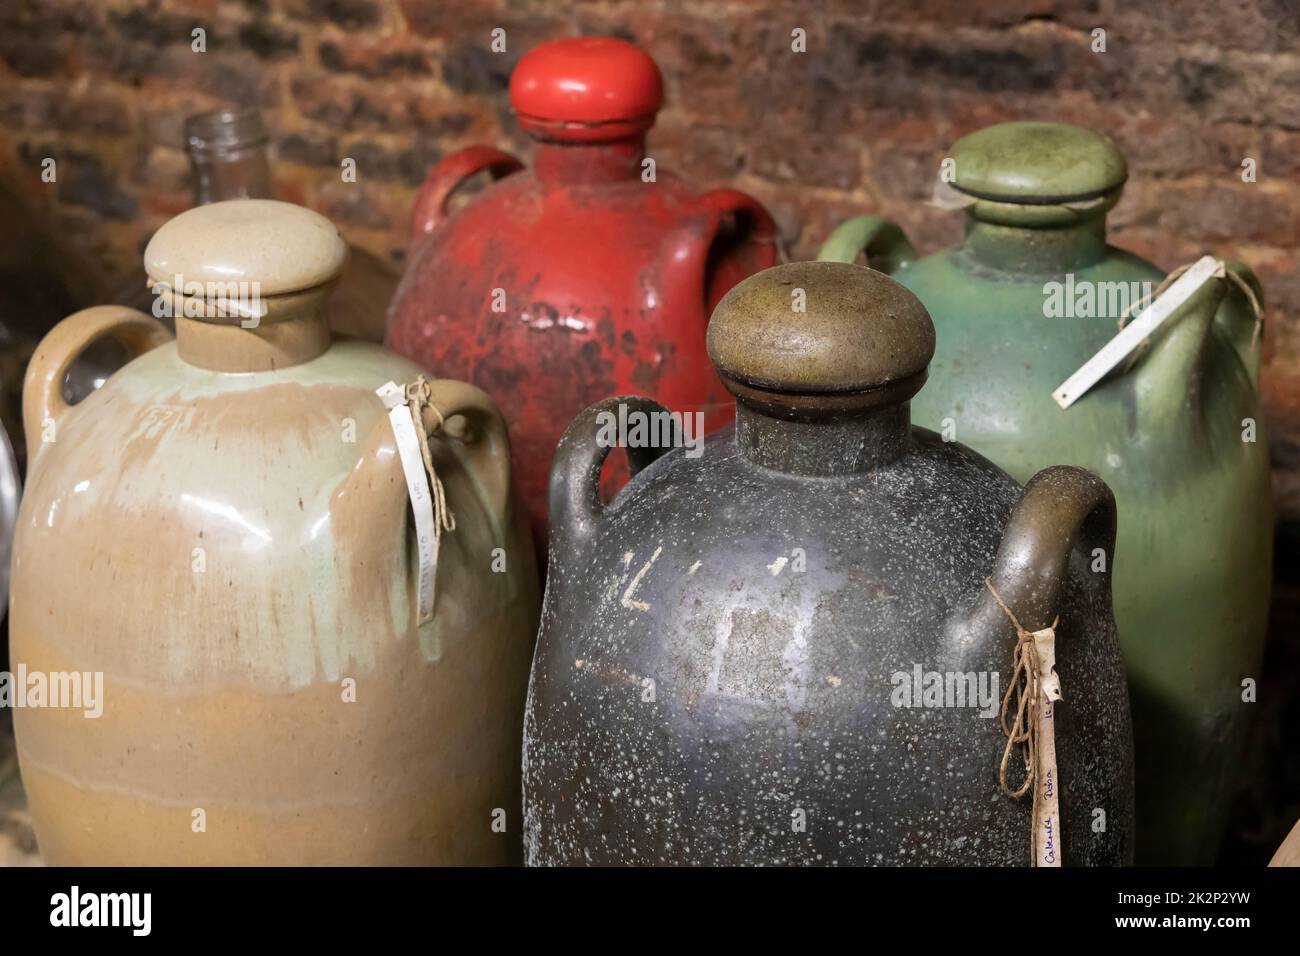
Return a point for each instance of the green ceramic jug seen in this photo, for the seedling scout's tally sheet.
(1030, 294)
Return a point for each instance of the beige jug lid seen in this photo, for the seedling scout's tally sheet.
(282, 247)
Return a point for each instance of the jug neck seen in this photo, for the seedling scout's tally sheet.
(1036, 248)
(561, 164)
(294, 331)
(832, 446)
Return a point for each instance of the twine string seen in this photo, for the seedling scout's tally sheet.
(419, 396)
(1252, 297)
(1146, 300)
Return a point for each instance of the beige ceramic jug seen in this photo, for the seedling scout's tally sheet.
(215, 550)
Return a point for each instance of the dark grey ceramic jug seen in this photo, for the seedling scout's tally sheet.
(781, 649)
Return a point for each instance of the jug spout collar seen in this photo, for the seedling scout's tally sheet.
(1029, 247)
(589, 164)
(263, 348)
(827, 447)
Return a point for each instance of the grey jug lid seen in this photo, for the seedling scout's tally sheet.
(821, 334)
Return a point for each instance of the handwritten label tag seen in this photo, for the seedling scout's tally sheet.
(1047, 825)
(1047, 821)
(1147, 321)
(417, 488)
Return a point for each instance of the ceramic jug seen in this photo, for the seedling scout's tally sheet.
(728, 651)
(589, 274)
(220, 533)
(1032, 292)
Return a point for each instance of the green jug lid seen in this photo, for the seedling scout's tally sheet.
(1037, 164)
(807, 329)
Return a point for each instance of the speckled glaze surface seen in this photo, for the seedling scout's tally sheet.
(720, 646)
(1193, 561)
(231, 549)
(576, 278)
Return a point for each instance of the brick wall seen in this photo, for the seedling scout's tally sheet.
(859, 122)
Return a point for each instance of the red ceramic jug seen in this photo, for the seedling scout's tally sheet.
(591, 274)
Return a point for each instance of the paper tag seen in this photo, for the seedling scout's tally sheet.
(1045, 646)
(1147, 321)
(417, 487)
(947, 196)
(1047, 823)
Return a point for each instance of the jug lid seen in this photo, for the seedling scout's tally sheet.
(586, 89)
(1035, 163)
(812, 337)
(281, 247)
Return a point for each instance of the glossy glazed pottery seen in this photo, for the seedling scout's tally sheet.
(222, 531)
(1032, 293)
(723, 648)
(581, 277)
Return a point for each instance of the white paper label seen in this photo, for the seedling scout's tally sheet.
(1047, 825)
(1147, 321)
(417, 488)
(1047, 822)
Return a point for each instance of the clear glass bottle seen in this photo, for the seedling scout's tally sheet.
(228, 155)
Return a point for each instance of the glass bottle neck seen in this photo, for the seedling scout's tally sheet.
(589, 163)
(846, 444)
(245, 175)
(1036, 249)
(228, 157)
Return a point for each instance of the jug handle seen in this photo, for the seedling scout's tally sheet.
(1061, 507)
(43, 385)
(882, 241)
(449, 174)
(755, 234)
(488, 453)
(1167, 378)
(575, 504)
(1245, 331)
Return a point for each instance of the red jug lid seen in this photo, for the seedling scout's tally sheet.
(586, 89)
